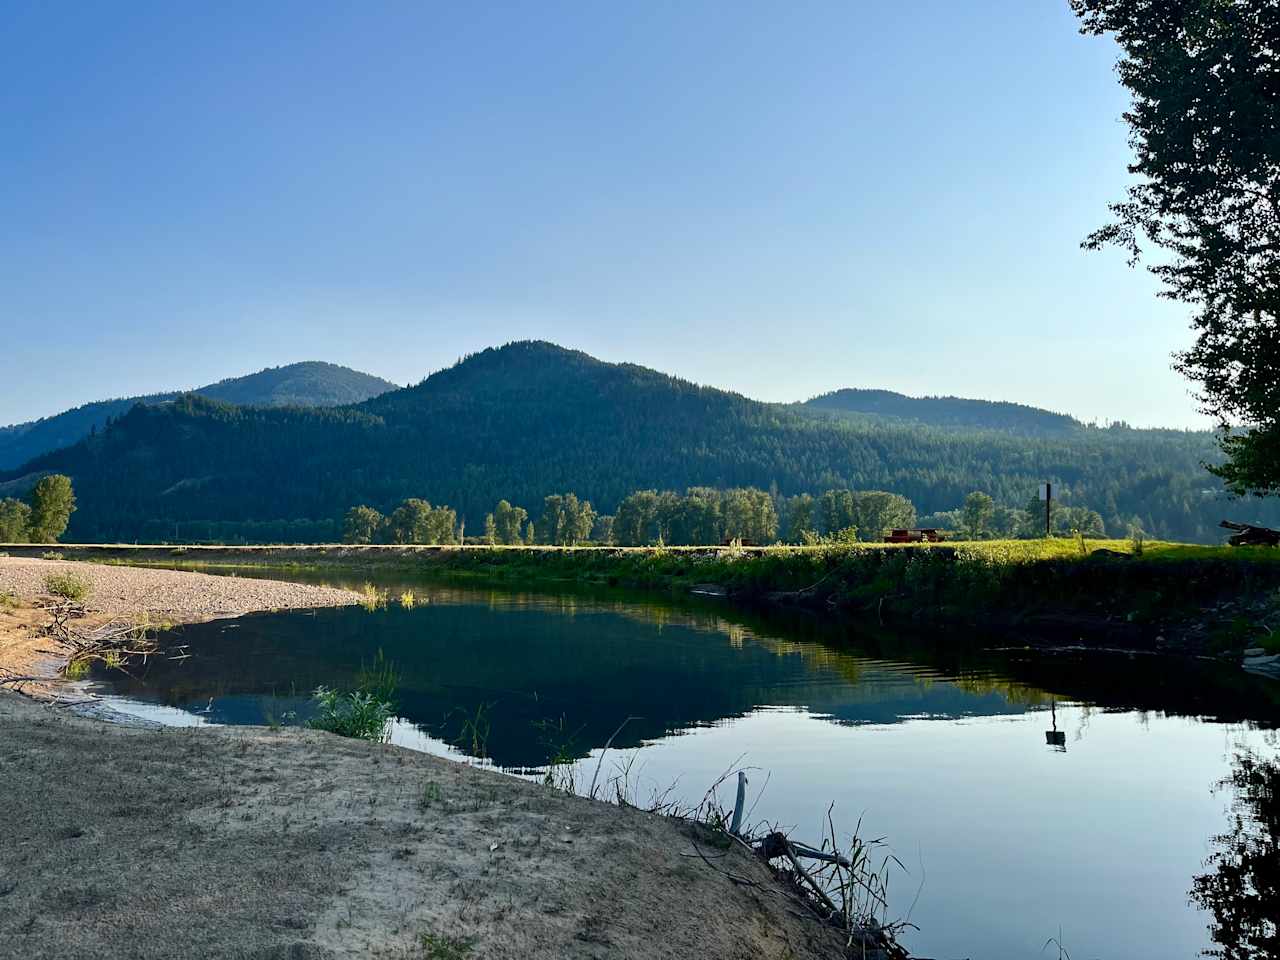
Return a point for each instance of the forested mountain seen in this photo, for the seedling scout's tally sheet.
(944, 412)
(309, 384)
(530, 419)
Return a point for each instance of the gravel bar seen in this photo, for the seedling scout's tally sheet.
(177, 594)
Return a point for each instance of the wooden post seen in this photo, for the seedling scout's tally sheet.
(736, 825)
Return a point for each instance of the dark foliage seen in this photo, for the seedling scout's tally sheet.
(1242, 889)
(531, 419)
(945, 412)
(310, 384)
(1204, 125)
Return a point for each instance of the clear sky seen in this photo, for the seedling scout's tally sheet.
(777, 198)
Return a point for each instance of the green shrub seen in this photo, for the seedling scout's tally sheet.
(356, 714)
(68, 586)
(77, 670)
(364, 713)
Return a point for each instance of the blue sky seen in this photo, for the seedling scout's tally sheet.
(780, 199)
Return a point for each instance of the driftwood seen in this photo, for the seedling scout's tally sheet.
(118, 644)
(858, 890)
(1247, 535)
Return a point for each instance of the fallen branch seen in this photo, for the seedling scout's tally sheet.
(117, 644)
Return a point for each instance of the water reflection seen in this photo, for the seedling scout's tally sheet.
(528, 661)
(524, 665)
(1242, 888)
(954, 751)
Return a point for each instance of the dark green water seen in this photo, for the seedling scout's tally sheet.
(936, 743)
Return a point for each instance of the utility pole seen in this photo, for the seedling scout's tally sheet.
(1046, 494)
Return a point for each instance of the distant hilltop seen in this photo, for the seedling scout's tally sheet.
(532, 419)
(945, 412)
(308, 384)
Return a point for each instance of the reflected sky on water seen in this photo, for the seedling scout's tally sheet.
(937, 743)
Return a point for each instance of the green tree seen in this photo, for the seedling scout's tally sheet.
(749, 514)
(52, 503)
(362, 525)
(551, 525)
(801, 517)
(1008, 522)
(565, 520)
(635, 521)
(877, 511)
(15, 521)
(582, 521)
(409, 522)
(416, 521)
(490, 529)
(602, 532)
(837, 511)
(977, 512)
(695, 518)
(1071, 520)
(1035, 517)
(1205, 109)
(442, 525)
(509, 521)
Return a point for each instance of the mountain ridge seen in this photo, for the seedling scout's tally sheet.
(307, 383)
(948, 412)
(528, 419)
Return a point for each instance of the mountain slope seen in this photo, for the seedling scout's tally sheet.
(944, 412)
(310, 383)
(530, 419)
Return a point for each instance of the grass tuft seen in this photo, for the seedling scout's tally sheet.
(67, 586)
(355, 714)
(364, 713)
(436, 946)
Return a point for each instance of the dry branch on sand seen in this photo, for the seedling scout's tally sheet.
(119, 643)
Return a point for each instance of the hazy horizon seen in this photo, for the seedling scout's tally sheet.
(776, 204)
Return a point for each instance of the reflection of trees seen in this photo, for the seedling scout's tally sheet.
(1242, 889)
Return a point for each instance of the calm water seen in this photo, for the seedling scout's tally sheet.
(938, 745)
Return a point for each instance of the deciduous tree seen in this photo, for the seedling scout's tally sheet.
(15, 521)
(362, 525)
(1204, 76)
(52, 503)
(509, 522)
(977, 512)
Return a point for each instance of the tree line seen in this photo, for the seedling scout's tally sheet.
(523, 423)
(704, 516)
(565, 521)
(42, 518)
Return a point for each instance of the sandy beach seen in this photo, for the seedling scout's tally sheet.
(245, 842)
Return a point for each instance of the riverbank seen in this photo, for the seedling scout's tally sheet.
(247, 842)
(1162, 597)
(134, 594)
(126, 840)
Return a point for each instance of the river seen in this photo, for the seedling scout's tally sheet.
(1026, 795)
